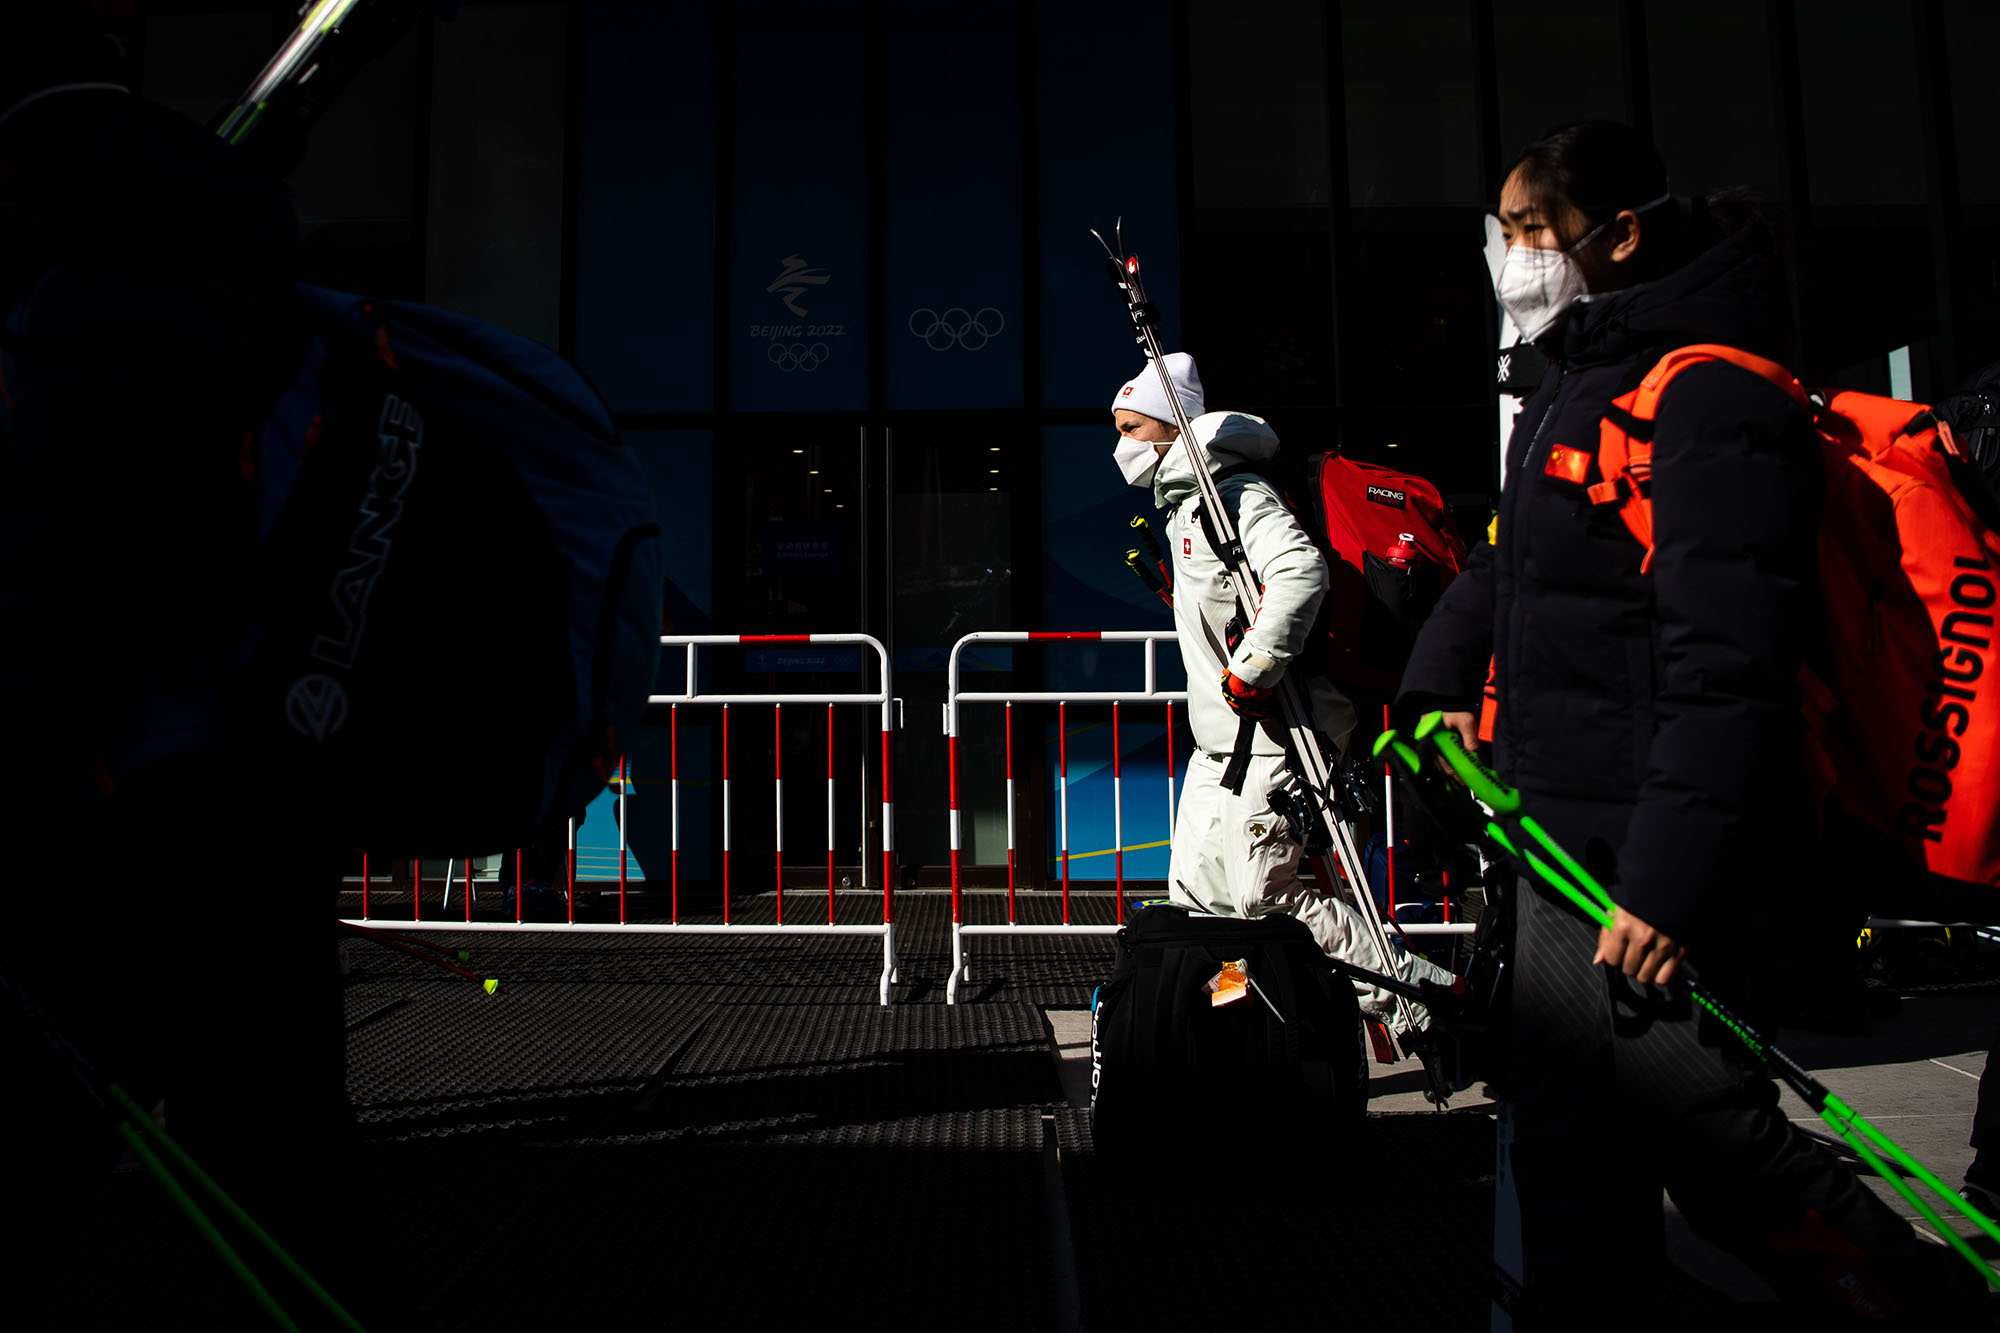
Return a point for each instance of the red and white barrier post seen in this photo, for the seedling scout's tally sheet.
(1062, 776)
(674, 807)
(1010, 812)
(1118, 816)
(725, 815)
(882, 697)
(778, 806)
(1150, 694)
(829, 815)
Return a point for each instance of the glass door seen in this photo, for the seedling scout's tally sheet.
(958, 499)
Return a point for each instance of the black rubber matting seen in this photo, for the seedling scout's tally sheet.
(796, 1163)
(832, 967)
(1383, 1225)
(453, 1059)
(1386, 1226)
(697, 1132)
(1049, 971)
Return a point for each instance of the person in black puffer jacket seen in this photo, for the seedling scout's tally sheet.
(1650, 720)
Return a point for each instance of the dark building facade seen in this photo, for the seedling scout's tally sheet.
(828, 261)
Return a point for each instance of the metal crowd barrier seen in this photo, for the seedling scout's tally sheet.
(1148, 694)
(691, 695)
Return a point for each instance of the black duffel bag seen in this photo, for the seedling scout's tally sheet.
(1169, 1068)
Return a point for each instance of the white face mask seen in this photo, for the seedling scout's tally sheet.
(1535, 286)
(1136, 459)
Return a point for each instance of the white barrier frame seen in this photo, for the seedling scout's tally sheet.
(884, 698)
(1151, 694)
(954, 697)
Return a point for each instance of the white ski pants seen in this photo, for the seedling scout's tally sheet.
(1234, 855)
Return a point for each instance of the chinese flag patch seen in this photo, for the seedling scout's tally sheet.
(1572, 465)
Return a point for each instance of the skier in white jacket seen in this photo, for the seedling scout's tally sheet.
(1235, 853)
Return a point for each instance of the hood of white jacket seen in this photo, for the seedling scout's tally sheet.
(1225, 439)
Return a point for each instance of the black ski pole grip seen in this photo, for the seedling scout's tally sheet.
(1147, 577)
(1143, 570)
(1152, 544)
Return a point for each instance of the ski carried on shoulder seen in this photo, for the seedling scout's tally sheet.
(333, 40)
(1305, 749)
(1503, 824)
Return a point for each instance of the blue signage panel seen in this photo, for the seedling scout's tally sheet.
(799, 209)
(645, 254)
(952, 158)
(806, 660)
(804, 550)
(1149, 801)
(1105, 125)
(680, 464)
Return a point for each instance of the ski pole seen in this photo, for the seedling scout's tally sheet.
(1355, 972)
(1556, 867)
(320, 57)
(293, 59)
(417, 941)
(1146, 575)
(1308, 758)
(137, 1129)
(388, 941)
(1159, 557)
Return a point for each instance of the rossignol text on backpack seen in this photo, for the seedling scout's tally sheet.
(1903, 724)
(459, 615)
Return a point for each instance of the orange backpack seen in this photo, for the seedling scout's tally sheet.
(1903, 727)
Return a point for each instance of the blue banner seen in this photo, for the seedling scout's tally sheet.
(952, 156)
(1148, 800)
(799, 209)
(1104, 76)
(804, 550)
(813, 660)
(645, 242)
(680, 464)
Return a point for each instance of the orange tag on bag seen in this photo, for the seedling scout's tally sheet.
(1572, 465)
(1229, 985)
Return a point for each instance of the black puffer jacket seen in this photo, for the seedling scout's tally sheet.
(1651, 720)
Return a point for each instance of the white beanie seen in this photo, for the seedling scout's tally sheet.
(1143, 393)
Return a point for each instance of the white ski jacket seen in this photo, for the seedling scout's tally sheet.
(1284, 560)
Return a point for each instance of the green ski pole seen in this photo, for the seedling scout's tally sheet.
(137, 1122)
(1522, 836)
(135, 1127)
(202, 1223)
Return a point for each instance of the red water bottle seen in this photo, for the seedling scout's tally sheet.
(1405, 552)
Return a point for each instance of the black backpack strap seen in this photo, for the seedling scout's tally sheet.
(1201, 515)
(1238, 766)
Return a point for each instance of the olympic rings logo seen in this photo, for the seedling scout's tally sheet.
(956, 327)
(789, 357)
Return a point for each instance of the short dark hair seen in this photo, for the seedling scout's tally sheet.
(1595, 167)
(1582, 175)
